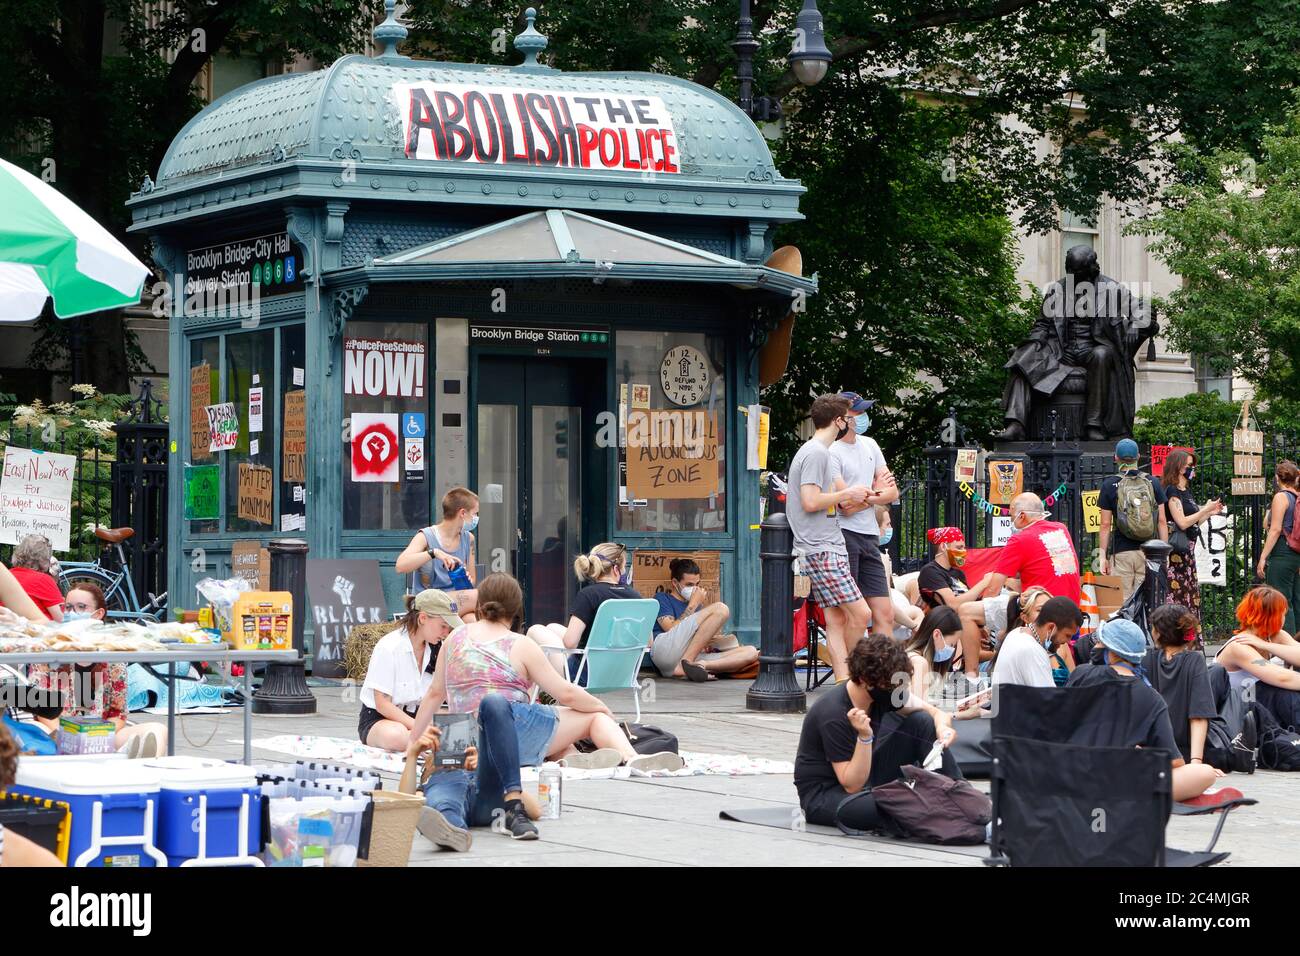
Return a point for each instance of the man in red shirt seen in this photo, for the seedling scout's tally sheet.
(1041, 552)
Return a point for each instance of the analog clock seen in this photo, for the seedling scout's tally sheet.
(684, 375)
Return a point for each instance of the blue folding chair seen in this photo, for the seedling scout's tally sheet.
(619, 640)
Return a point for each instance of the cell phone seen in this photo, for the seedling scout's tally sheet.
(458, 732)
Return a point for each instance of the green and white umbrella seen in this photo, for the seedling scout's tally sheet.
(51, 248)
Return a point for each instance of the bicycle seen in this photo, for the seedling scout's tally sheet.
(120, 600)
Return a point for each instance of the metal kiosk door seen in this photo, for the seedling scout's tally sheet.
(539, 475)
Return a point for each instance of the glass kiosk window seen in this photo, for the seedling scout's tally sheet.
(675, 388)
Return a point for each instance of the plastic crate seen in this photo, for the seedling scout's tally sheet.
(47, 823)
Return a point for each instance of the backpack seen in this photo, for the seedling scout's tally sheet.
(1240, 728)
(1135, 507)
(930, 807)
(1293, 536)
(1279, 747)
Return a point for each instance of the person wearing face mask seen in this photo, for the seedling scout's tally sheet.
(1145, 721)
(932, 649)
(99, 690)
(818, 539)
(1184, 516)
(442, 556)
(1126, 506)
(856, 459)
(688, 639)
(1025, 655)
(860, 734)
(943, 581)
(1040, 553)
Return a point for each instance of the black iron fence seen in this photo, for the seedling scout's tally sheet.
(931, 497)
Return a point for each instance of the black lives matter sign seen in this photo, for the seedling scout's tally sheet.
(342, 595)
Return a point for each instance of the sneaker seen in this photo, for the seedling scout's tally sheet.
(149, 746)
(131, 748)
(605, 758)
(435, 828)
(662, 761)
(519, 826)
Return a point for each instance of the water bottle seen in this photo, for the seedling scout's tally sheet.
(460, 578)
(550, 783)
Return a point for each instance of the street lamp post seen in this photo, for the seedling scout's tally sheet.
(809, 58)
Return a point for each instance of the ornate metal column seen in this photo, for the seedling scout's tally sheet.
(139, 476)
(284, 688)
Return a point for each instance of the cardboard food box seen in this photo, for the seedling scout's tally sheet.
(83, 734)
(1109, 596)
(262, 620)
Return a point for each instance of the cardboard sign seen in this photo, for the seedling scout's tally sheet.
(387, 368)
(223, 427)
(1212, 550)
(1247, 441)
(672, 454)
(1248, 466)
(293, 461)
(650, 574)
(200, 398)
(512, 125)
(251, 561)
(255, 410)
(343, 594)
(1006, 480)
(202, 492)
(1110, 595)
(1091, 511)
(36, 496)
(967, 460)
(255, 492)
(1160, 452)
(1249, 486)
(376, 450)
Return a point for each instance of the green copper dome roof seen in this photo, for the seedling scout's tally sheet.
(350, 111)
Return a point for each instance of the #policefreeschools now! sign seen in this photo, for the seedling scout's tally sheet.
(503, 125)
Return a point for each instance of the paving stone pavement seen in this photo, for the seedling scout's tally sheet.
(674, 821)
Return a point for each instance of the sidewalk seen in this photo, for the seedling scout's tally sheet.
(674, 821)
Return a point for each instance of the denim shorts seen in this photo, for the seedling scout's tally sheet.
(535, 726)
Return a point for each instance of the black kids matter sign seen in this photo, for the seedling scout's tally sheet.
(513, 126)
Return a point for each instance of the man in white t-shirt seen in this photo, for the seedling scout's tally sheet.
(858, 460)
(1023, 657)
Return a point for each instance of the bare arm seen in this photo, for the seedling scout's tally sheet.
(528, 659)
(886, 488)
(1162, 531)
(20, 851)
(414, 557)
(15, 598)
(814, 499)
(920, 676)
(433, 698)
(1197, 744)
(1276, 512)
(1103, 539)
(473, 560)
(1288, 650)
(1247, 658)
(390, 711)
(573, 633)
(854, 772)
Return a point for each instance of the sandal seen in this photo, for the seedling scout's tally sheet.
(696, 672)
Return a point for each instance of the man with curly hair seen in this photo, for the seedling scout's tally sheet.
(860, 734)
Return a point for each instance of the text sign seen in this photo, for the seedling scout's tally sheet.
(387, 368)
(672, 454)
(36, 496)
(272, 263)
(1091, 511)
(251, 561)
(223, 427)
(1212, 555)
(200, 399)
(651, 574)
(507, 125)
(1248, 466)
(1249, 486)
(255, 490)
(293, 461)
(1248, 441)
(1160, 452)
(202, 492)
(540, 341)
(343, 594)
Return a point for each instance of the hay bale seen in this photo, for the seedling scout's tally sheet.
(359, 646)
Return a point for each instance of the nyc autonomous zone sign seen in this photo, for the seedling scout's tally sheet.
(515, 126)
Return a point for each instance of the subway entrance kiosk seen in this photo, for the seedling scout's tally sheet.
(396, 276)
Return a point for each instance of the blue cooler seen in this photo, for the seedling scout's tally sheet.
(206, 807)
(114, 807)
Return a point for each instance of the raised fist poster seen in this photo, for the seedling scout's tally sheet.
(376, 449)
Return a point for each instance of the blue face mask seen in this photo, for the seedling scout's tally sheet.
(944, 653)
(471, 523)
(886, 536)
(861, 423)
(78, 616)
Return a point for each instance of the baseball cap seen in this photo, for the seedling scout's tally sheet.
(856, 402)
(1124, 638)
(1126, 449)
(439, 604)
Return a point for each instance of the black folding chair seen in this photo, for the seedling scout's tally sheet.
(1065, 796)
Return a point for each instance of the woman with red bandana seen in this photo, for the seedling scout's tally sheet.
(1181, 678)
(942, 581)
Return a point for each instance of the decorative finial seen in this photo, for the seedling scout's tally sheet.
(389, 33)
(530, 42)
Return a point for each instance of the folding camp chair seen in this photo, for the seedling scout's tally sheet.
(1065, 796)
(810, 629)
(619, 640)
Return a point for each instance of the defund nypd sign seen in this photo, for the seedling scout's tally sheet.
(515, 126)
(272, 263)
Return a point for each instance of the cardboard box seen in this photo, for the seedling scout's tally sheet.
(1109, 596)
(262, 620)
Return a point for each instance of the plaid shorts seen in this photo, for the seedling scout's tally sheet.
(832, 581)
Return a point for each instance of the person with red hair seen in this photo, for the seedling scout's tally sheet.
(1263, 650)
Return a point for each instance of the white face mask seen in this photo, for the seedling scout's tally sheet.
(687, 590)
